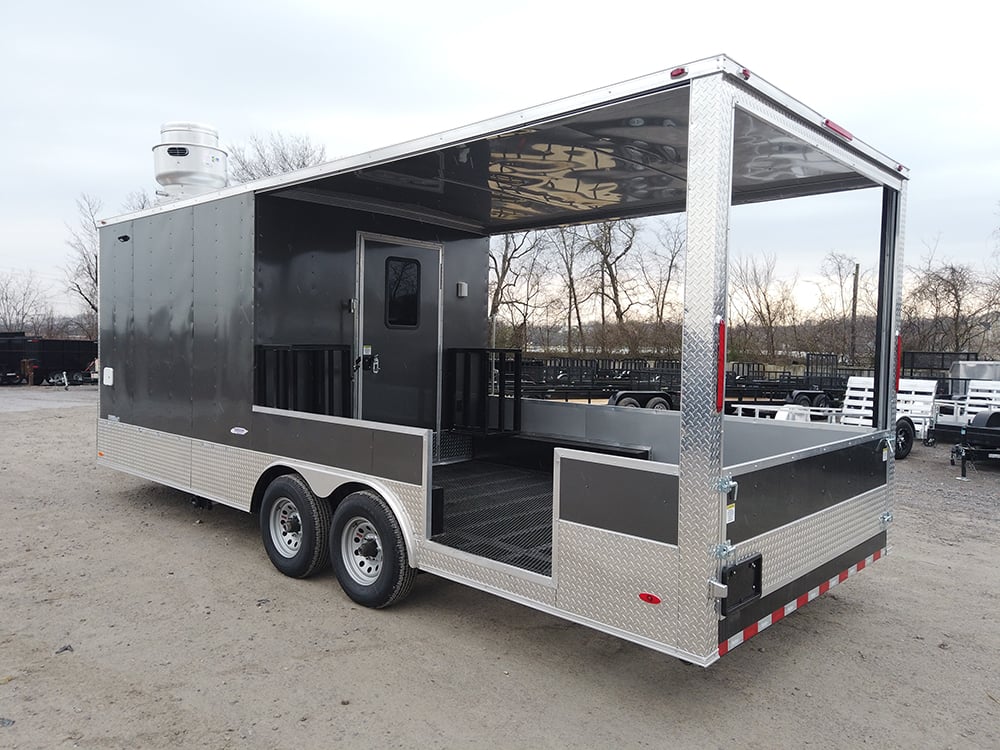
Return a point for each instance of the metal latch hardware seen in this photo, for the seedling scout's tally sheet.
(729, 487)
(886, 518)
(718, 590)
(722, 551)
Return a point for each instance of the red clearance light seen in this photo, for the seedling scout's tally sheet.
(842, 132)
(649, 598)
(720, 367)
(746, 74)
(678, 72)
(899, 358)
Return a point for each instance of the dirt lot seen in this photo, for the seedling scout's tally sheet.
(183, 635)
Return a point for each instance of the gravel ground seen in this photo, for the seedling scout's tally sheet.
(131, 619)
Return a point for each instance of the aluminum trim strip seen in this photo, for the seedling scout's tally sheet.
(769, 90)
(784, 458)
(347, 421)
(654, 467)
(644, 540)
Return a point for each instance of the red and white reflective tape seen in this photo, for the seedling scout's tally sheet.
(765, 622)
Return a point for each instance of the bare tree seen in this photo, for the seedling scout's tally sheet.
(611, 242)
(272, 154)
(660, 262)
(84, 241)
(762, 300)
(950, 306)
(137, 200)
(571, 261)
(517, 272)
(845, 298)
(23, 302)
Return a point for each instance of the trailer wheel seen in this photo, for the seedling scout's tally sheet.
(368, 552)
(627, 401)
(905, 435)
(294, 524)
(658, 403)
(802, 400)
(821, 401)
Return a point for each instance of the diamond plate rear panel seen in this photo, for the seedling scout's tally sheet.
(700, 520)
(601, 574)
(432, 559)
(806, 544)
(148, 453)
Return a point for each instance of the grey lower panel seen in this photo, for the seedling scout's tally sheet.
(799, 547)
(229, 475)
(619, 498)
(600, 575)
(398, 456)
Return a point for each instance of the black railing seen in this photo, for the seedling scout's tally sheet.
(482, 391)
(314, 378)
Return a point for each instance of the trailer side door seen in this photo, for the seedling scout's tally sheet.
(399, 331)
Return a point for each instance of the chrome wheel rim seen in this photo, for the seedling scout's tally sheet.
(361, 551)
(286, 527)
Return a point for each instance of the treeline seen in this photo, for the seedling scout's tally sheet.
(616, 288)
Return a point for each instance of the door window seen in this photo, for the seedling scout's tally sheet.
(402, 293)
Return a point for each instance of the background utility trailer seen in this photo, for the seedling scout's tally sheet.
(231, 324)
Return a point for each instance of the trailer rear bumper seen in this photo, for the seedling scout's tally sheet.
(763, 613)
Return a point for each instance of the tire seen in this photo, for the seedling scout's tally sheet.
(658, 403)
(294, 525)
(627, 401)
(802, 400)
(905, 435)
(821, 401)
(76, 377)
(368, 552)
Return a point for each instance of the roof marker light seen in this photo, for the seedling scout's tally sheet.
(678, 72)
(649, 598)
(842, 132)
(746, 74)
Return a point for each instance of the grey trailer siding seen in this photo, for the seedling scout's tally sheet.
(306, 264)
(176, 324)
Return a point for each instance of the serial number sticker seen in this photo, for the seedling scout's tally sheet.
(885, 454)
(730, 512)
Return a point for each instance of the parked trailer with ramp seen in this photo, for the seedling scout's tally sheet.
(312, 348)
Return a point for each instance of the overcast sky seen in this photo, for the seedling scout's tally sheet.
(85, 87)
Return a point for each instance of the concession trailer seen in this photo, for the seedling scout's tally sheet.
(313, 348)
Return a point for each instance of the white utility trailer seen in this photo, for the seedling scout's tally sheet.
(312, 348)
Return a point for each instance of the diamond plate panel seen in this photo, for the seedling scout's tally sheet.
(700, 520)
(469, 571)
(227, 473)
(224, 473)
(601, 575)
(802, 546)
(449, 446)
(145, 452)
(413, 506)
